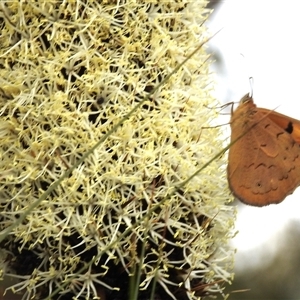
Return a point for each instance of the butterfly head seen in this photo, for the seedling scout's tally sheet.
(246, 99)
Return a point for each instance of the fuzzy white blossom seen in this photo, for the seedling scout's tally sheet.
(70, 71)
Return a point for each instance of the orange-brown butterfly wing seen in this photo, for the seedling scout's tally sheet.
(264, 164)
(290, 125)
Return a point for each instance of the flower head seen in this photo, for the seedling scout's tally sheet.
(69, 72)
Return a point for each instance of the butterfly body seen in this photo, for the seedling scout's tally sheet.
(264, 159)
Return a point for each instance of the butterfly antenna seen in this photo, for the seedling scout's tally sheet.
(251, 82)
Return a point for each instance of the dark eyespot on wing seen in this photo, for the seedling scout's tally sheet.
(289, 128)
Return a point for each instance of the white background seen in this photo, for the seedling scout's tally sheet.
(267, 34)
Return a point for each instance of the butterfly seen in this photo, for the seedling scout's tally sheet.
(264, 158)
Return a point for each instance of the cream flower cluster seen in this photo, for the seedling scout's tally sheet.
(114, 227)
